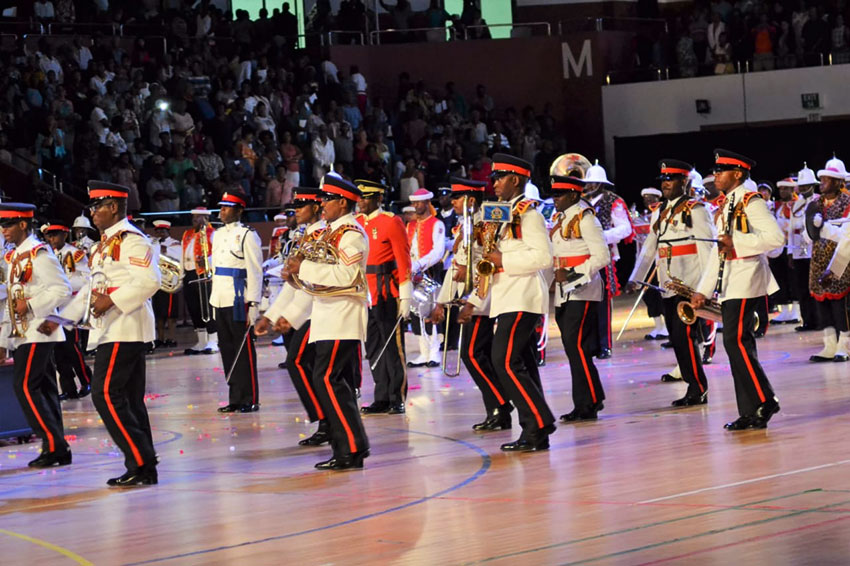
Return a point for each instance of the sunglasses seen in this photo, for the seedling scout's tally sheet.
(101, 203)
(330, 197)
(496, 175)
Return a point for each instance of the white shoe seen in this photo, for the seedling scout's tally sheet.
(199, 345)
(278, 341)
(434, 342)
(841, 350)
(211, 346)
(830, 345)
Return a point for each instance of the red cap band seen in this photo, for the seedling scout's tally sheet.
(334, 190)
(512, 168)
(456, 188)
(306, 196)
(732, 161)
(566, 186)
(57, 228)
(16, 213)
(676, 171)
(95, 194)
(233, 199)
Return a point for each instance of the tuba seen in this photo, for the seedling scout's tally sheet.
(172, 274)
(570, 165)
(320, 251)
(686, 310)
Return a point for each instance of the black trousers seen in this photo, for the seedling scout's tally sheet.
(686, 346)
(300, 357)
(604, 310)
(164, 305)
(751, 385)
(244, 388)
(577, 321)
(37, 394)
(783, 275)
(762, 306)
(192, 295)
(514, 361)
(800, 285)
(335, 361)
(389, 374)
(118, 393)
(475, 351)
(833, 312)
(653, 301)
(70, 362)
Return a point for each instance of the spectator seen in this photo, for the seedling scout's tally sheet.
(194, 194)
(262, 122)
(839, 40)
(209, 164)
(361, 88)
(411, 180)
(715, 28)
(723, 56)
(815, 37)
(763, 38)
(161, 192)
(123, 173)
(323, 155)
(291, 155)
(279, 189)
(43, 10)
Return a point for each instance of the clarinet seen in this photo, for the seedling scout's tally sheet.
(730, 218)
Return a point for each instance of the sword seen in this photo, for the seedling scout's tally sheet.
(637, 302)
(238, 353)
(387, 343)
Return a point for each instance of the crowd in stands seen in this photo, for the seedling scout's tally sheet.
(234, 106)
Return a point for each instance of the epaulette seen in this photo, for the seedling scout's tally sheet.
(654, 206)
(35, 249)
(8, 256)
(524, 205)
(749, 196)
(78, 255)
(388, 213)
(588, 210)
(691, 204)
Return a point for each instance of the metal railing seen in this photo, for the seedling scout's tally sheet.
(57, 28)
(522, 25)
(375, 35)
(359, 35)
(611, 24)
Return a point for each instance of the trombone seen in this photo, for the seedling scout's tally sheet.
(203, 291)
(465, 290)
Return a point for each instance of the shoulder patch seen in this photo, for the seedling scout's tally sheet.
(587, 211)
(750, 196)
(654, 206)
(9, 255)
(79, 254)
(693, 203)
(388, 213)
(524, 205)
(35, 249)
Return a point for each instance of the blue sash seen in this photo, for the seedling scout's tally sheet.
(239, 276)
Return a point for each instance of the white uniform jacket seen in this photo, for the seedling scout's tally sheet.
(292, 303)
(341, 317)
(450, 289)
(173, 248)
(621, 226)
(125, 257)
(799, 245)
(522, 285)
(578, 243)
(78, 275)
(237, 259)
(434, 255)
(687, 259)
(746, 274)
(46, 288)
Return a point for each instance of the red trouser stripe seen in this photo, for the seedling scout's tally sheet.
(83, 373)
(475, 362)
(514, 378)
(581, 353)
(136, 455)
(352, 445)
(693, 359)
(51, 442)
(251, 363)
(744, 352)
(170, 303)
(297, 362)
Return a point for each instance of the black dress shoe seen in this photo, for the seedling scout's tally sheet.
(691, 400)
(766, 410)
(191, 352)
(64, 396)
(85, 390)
(250, 408)
(805, 328)
(604, 354)
(498, 422)
(50, 459)
(706, 358)
(397, 409)
(667, 345)
(414, 365)
(484, 423)
(527, 445)
(655, 337)
(743, 423)
(170, 343)
(820, 359)
(841, 358)
(228, 409)
(142, 476)
(281, 365)
(759, 333)
(432, 364)
(667, 378)
(158, 343)
(353, 461)
(375, 408)
(319, 437)
(583, 414)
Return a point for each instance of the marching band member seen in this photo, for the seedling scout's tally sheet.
(800, 248)
(613, 214)
(388, 274)
(237, 285)
(521, 253)
(68, 355)
(344, 319)
(781, 265)
(679, 218)
(580, 252)
(427, 237)
(282, 233)
(292, 309)
(196, 281)
(477, 345)
(124, 278)
(38, 286)
(164, 309)
(651, 297)
(747, 231)
(830, 289)
(82, 229)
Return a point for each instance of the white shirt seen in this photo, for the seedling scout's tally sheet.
(799, 244)
(330, 71)
(51, 64)
(323, 153)
(567, 250)
(359, 82)
(236, 246)
(131, 281)
(620, 228)
(44, 10)
(748, 276)
(689, 258)
(83, 57)
(46, 290)
(292, 303)
(99, 84)
(173, 248)
(434, 255)
(79, 275)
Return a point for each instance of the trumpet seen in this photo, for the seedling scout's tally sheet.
(467, 227)
(14, 293)
(687, 312)
(100, 283)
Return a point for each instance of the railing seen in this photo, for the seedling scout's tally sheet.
(359, 35)
(375, 35)
(611, 24)
(522, 25)
(57, 28)
(21, 26)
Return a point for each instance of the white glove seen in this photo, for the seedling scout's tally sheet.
(817, 220)
(253, 314)
(415, 267)
(404, 308)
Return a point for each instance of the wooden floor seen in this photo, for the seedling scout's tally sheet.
(644, 485)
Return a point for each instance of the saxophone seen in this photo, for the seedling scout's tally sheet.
(485, 269)
(686, 310)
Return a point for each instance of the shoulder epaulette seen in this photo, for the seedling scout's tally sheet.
(654, 206)
(693, 203)
(749, 196)
(524, 205)
(8, 256)
(388, 213)
(37, 248)
(588, 210)
(78, 255)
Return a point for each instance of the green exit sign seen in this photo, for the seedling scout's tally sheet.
(811, 100)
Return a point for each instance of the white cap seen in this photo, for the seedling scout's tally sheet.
(596, 174)
(650, 191)
(834, 168)
(806, 176)
(707, 179)
(420, 195)
(81, 222)
(696, 179)
(161, 224)
(787, 182)
(200, 211)
(750, 185)
(280, 216)
(531, 191)
(408, 209)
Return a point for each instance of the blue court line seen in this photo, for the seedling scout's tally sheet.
(485, 465)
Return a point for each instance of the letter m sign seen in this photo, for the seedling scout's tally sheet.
(573, 68)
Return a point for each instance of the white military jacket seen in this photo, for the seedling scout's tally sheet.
(78, 275)
(125, 256)
(523, 283)
(450, 289)
(341, 317)
(799, 245)
(46, 288)
(746, 274)
(578, 242)
(687, 259)
(173, 248)
(292, 303)
(236, 254)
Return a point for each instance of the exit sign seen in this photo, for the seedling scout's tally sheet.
(811, 100)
